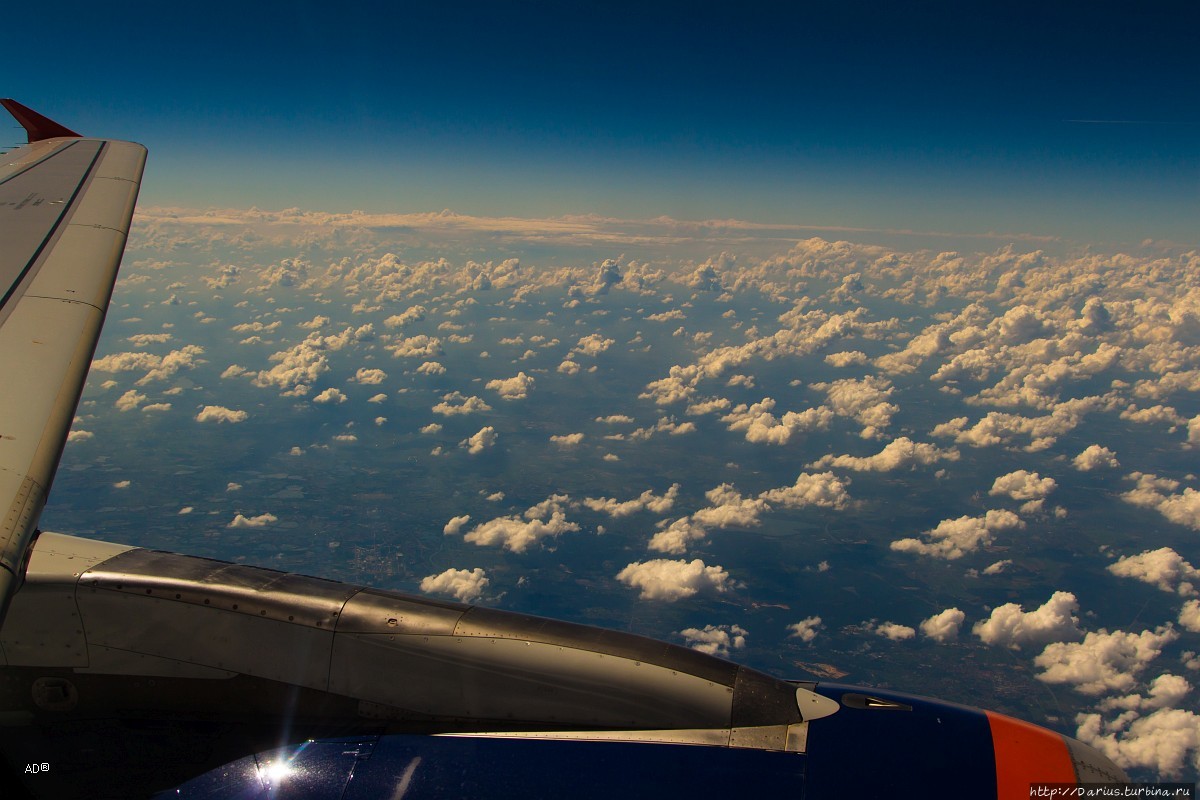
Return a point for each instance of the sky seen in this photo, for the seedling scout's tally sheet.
(1070, 120)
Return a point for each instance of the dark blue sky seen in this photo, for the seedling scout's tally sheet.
(1073, 119)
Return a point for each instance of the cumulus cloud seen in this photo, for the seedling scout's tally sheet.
(1163, 568)
(1189, 616)
(1162, 741)
(762, 427)
(431, 368)
(515, 388)
(846, 358)
(517, 533)
(593, 345)
(716, 640)
(954, 538)
(865, 400)
(893, 630)
(80, 436)
(1103, 661)
(667, 580)
(157, 367)
(821, 489)
(1023, 485)
(456, 403)
(1154, 492)
(479, 441)
(729, 509)
(413, 314)
(567, 439)
(943, 627)
(419, 346)
(1095, 457)
(456, 524)
(221, 414)
(129, 401)
(675, 537)
(465, 585)
(370, 377)
(646, 501)
(1011, 626)
(900, 453)
(806, 629)
(261, 521)
(330, 396)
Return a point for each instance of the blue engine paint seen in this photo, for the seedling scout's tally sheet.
(420, 767)
(934, 750)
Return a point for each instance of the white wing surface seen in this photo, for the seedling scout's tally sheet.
(65, 207)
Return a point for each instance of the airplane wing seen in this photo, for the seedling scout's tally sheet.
(65, 207)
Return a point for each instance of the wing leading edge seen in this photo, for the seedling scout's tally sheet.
(66, 203)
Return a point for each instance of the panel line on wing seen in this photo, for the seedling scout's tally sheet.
(56, 151)
(67, 208)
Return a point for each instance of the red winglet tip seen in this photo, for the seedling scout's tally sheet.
(36, 126)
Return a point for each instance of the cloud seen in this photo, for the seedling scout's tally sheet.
(646, 501)
(455, 524)
(1103, 661)
(729, 509)
(1161, 741)
(1163, 568)
(466, 585)
(1095, 457)
(806, 629)
(121, 485)
(1189, 616)
(1023, 485)
(846, 358)
(330, 395)
(261, 521)
(479, 441)
(419, 346)
(1011, 626)
(80, 436)
(515, 388)
(129, 401)
(457, 403)
(592, 345)
(377, 398)
(370, 377)
(894, 631)
(897, 454)
(157, 407)
(432, 427)
(567, 439)
(864, 400)
(546, 519)
(1151, 492)
(431, 368)
(667, 580)
(762, 427)
(143, 339)
(675, 537)
(821, 489)
(954, 538)
(943, 627)
(413, 314)
(716, 640)
(220, 414)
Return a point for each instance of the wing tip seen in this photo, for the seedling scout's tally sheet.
(37, 127)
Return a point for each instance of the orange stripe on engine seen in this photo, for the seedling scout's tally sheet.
(1027, 754)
